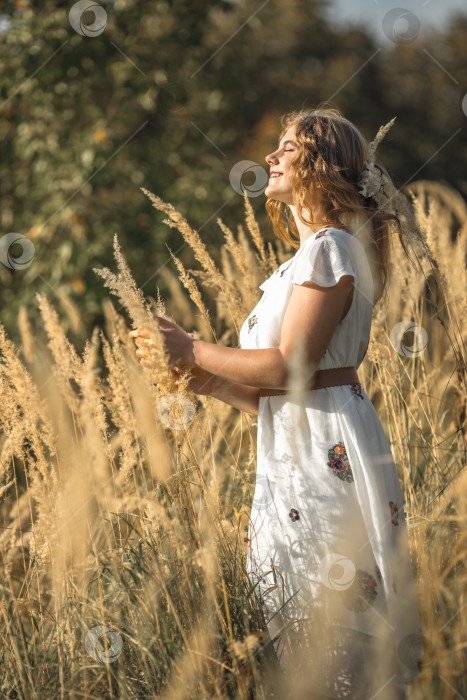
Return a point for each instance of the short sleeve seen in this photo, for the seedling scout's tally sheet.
(323, 261)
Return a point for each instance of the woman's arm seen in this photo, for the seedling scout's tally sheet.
(202, 381)
(312, 316)
(241, 396)
(255, 368)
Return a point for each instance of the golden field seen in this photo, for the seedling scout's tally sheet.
(125, 497)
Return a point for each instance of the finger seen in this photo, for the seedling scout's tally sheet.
(163, 321)
(139, 333)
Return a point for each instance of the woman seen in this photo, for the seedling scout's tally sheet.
(328, 551)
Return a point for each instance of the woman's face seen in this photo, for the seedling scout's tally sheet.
(279, 161)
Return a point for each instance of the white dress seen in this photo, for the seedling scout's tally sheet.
(327, 525)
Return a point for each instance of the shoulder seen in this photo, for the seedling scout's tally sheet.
(327, 238)
(324, 258)
(336, 244)
(326, 244)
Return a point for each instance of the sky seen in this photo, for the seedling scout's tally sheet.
(373, 12)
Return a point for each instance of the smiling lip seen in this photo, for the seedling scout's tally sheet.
(274, 173)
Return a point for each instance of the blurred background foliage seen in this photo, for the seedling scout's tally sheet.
(169, 97)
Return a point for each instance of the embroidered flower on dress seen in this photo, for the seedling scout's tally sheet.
(251, 322)
(394, 513)
(357, 390)
(281, 272)
(321, 233)
(294, 514)
(361, 593)
(339, 462)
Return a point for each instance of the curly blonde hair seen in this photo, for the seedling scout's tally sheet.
(324, 175)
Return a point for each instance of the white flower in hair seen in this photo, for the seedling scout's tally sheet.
(370, 180)
(373, 182)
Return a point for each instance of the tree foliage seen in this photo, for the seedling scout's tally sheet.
(169, 97)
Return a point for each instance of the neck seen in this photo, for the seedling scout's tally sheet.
(305, 230)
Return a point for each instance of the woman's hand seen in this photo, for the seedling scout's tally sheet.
(177, 343)
(201, 381)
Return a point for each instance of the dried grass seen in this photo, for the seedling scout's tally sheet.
(115, 515)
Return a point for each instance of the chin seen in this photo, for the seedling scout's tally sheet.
(273, 195)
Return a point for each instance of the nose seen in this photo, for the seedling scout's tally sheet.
(271, 159)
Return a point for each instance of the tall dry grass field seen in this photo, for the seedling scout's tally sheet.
(125, 497)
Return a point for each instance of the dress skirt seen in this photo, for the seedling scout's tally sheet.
(328, 546)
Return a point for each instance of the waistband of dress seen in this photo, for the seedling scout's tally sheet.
(323, 378)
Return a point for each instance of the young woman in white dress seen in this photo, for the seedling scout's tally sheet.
(328, 548)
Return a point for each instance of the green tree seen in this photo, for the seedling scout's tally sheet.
(170, 97)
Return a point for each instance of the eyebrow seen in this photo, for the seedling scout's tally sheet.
(286, 142)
